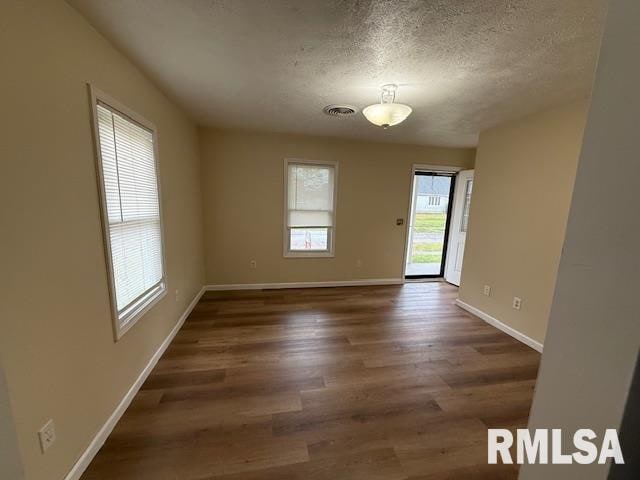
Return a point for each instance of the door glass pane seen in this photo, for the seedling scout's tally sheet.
(467, 203)
(427, 225)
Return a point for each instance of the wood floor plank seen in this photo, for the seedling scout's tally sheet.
(353, 383)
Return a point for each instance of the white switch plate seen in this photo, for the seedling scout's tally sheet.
(487, 290)
(47, 435)
(517, 303)
(253, 264)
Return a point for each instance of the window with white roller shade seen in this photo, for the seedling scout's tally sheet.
(309, 215)
(131, 213)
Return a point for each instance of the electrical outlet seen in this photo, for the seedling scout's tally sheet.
(358, 263)
(47, 435)
(177, 295)
(487, 290)
(517, 303)
(253, 264)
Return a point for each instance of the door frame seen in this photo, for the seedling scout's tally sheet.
(418, 167)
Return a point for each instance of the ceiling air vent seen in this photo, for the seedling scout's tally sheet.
(339, 110)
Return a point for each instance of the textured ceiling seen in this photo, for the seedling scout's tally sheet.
(463, 65)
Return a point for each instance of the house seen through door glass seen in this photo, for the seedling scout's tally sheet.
(428, 224)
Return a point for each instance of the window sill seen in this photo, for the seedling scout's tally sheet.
(138, 311)
(303, 254)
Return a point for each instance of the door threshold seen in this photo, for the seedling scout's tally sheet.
(423, 279)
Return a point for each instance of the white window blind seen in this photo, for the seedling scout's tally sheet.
(310, 195)
(309, 215)
(131, 204)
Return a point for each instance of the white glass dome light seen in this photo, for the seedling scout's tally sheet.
(386, 113)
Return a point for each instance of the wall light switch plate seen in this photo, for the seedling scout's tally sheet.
(47, 435)
(253, 264)
(517, 303)
(487, 290)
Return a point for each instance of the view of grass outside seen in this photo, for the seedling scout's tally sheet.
(430, 222)
(428, 237)
(427, 253)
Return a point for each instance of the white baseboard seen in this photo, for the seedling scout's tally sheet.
(501, 326)
(339, 283)
(100, 437)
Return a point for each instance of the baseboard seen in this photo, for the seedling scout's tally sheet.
(100, 437)
(272, 286)
(501, 326)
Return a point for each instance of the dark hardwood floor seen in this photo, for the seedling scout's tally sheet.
(366, 383)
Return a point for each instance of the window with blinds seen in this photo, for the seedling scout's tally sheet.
(309, 215)
(131, 213)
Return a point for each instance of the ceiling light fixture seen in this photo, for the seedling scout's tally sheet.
(386, 113)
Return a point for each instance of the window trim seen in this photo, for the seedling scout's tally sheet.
(286, 252)
(146, 301)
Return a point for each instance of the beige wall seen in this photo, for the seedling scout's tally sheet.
(243, 205)
(55, 328)
(594, 333)
(525, 170)
(10, 460)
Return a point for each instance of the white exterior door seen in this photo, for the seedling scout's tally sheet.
(458, 227)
